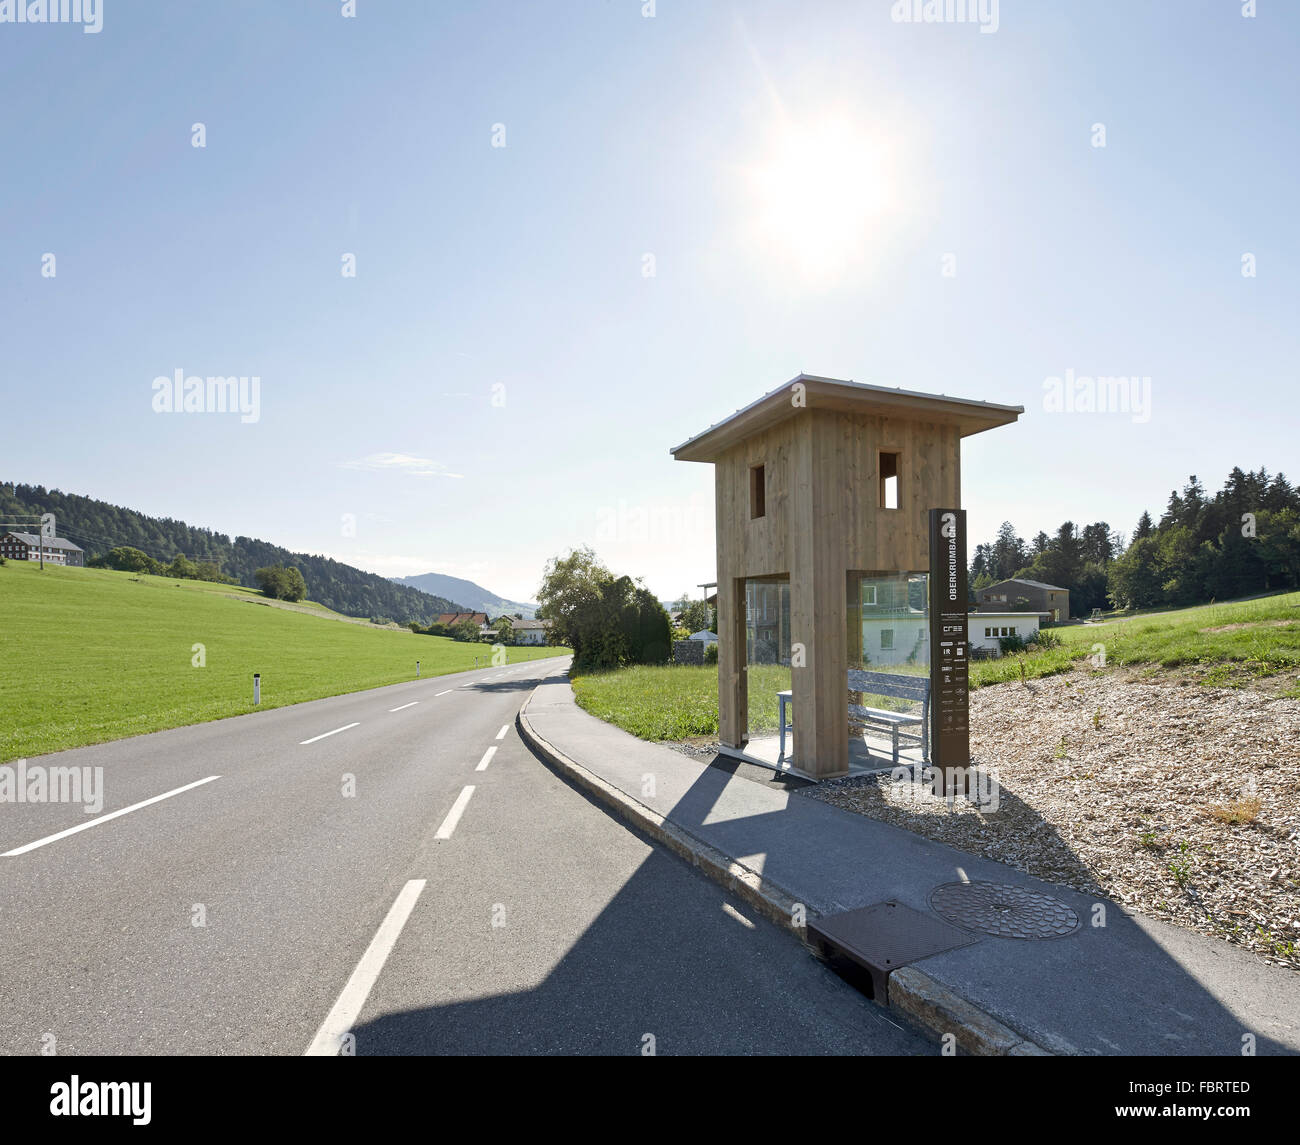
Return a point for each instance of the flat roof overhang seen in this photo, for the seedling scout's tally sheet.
(850, 397)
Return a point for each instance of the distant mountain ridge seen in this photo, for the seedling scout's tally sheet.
(98, 526)
(474, 597)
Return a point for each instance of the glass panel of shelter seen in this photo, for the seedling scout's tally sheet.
(888, 632)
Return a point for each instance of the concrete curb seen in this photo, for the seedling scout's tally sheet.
(926, 1002)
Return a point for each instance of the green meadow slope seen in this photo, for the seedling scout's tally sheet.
(1222, 645)
(88, 655)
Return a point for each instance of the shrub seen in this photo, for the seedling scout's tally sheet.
(465, 631)
(1011, 644)
(1046, 639)
(711, 653)
(280, 583)
(124, 558)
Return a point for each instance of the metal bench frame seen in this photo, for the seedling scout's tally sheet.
(904, 688)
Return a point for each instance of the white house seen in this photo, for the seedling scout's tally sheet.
(904, 638)
(530, 631)
(987, 628)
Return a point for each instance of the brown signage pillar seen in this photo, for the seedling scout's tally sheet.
(949, 652)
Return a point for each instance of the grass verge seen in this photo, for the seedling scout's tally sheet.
(88, 655)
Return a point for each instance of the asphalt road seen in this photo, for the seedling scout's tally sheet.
(355, 895)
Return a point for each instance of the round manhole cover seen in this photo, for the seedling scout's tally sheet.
(1004, 911)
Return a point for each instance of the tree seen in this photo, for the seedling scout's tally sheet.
(281, 583)
(128, 559)
(1134, 580)
(296, 584)
(271, 581)
(1008, 556)
(181, 567)
(571, 590)
(465, 631)
(505, 631)
(608, 621)
(1097, 543)
(695, 616)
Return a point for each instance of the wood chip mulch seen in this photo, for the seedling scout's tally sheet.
(1127, 785)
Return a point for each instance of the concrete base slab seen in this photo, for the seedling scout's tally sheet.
(867, 754)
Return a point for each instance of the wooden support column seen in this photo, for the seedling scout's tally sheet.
(733, 680)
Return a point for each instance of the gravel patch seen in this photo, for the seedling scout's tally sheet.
(1108, 782)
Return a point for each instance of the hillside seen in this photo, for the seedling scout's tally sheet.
(93, 655)
(472, 597)
(98, 526)
(1252, 642)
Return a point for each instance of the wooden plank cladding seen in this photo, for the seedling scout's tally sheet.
(801, 479)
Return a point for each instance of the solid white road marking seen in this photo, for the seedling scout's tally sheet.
(446, 693)
(105, 818)
(404, 706)
(487, 758)
(453, 816)
(333, 733)
(502, 733)
(329, 1038)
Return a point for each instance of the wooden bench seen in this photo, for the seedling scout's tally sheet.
(900, 725)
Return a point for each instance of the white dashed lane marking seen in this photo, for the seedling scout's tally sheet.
(105, 818)
(324, 735)
(453, 816)
(338, 1022)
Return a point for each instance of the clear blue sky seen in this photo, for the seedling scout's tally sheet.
(799, 170)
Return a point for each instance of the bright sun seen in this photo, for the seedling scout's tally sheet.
(821, 193)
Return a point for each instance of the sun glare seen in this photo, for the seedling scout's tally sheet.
(821, 194)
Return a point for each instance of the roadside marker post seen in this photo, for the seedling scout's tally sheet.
(257, 687)
(417, 669)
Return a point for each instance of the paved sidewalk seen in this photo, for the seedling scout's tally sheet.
(1134, 986)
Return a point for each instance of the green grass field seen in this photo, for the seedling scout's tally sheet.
(1229, 644)
(677, 700)
(88, 655)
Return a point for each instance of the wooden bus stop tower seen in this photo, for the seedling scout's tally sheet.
(815, 482)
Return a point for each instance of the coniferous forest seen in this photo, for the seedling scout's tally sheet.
(1242, 540)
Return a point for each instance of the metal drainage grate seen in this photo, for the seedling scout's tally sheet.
(883, 937)
(1003, 910)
